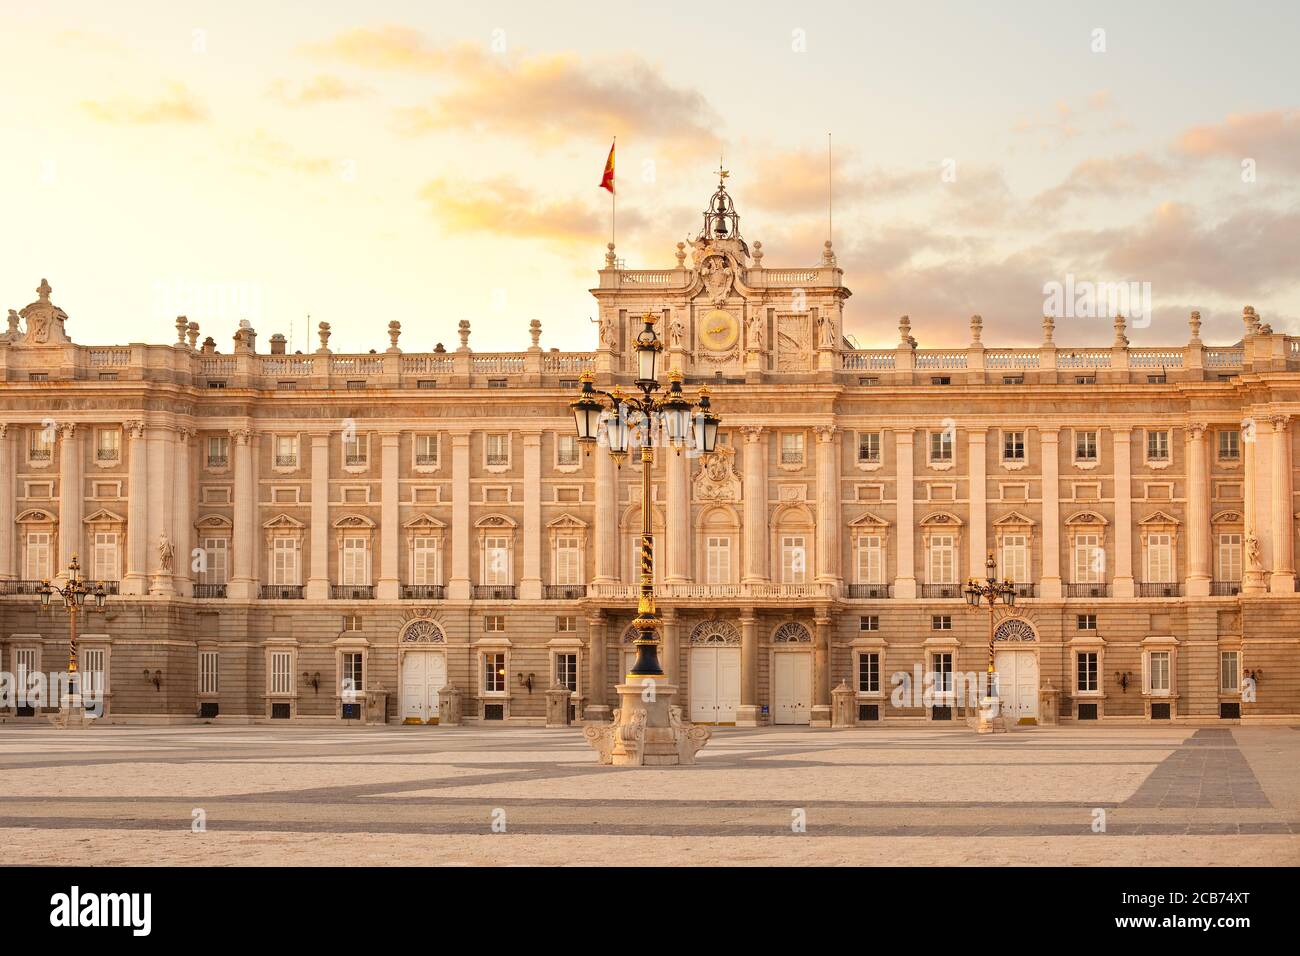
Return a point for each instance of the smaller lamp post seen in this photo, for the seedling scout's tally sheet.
(74, 595)
(990, 592)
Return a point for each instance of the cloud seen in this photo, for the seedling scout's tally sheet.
(1105, 177)
(177, 105)
(270, 154)
(391, 47)
(322, 88)
(1269, 138)
(795, 181)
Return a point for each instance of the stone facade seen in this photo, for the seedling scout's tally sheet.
(272, 525)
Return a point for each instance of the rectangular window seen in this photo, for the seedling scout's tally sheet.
(566, 671)
(1160, 559)
(108, 444)
(1013, 446)
(356, 449)
(496, 560)
(209, 672)
(286, 451)
(104, 559)
(792, 448)
(494, 673)
(794, 563)
(351, 622)
(566, 450)
(426, 450)
(871, 559)
(943, 559)
(38, 556)
(41, 444)
(94, 662)
(1158, 666)
(216, 557)
(1157, 445)
(1085, 622)
(1086, 671)
(494, 623)
(568, 624)
(281, 672)
(218, 451)
(1085, 446)
(1015, 558)
(941, 622)
(869, 622)
(869, 673)
(941, 444)
(1229, 671)
(1230, 445)
(717, 559)
(941, 665)
(1089, 559)
(356, 561)
(353, 669)
(424, 561)
(497, 450)
(568, 566)
(869, 448)
(1228, 558)
(284, 561)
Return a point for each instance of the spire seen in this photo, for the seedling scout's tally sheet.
(721, 223)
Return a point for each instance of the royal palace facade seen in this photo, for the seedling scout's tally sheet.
(276, 529)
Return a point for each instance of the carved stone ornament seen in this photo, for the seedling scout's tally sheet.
(716, 274)
(44, 320)
(716, 480)
(423, 631)
(1014, 630)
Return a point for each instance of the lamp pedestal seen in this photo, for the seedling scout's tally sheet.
(988, 719)
(647, 730)
(72, 715)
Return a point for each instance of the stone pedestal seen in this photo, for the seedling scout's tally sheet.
(449, 706)
(72, 715)
(820, 716)
(842, 706)
(647, 730)
(1049, 705)
(988, 718)
(376, 707)
(557, 707)
(747, 715)
(596, 713)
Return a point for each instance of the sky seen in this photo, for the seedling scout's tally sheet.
(295, 162)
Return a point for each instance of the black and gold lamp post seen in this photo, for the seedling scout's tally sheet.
(990, 592)
(74, 595)
(656, 419)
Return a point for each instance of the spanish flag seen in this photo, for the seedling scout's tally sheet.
(607, 180)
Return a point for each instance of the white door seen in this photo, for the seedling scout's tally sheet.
(715, 684)
(792, 688)
(424, 673)
(1018, 683)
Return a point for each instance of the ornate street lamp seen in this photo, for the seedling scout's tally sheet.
(992, 592)
(74, 595)
(671, 420)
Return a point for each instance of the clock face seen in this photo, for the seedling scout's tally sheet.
(719, 330)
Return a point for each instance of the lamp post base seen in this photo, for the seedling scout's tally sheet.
(647, 730)
(72, 715)
(988, 718)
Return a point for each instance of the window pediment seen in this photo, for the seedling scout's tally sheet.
(105, 517)
(36, 516)
(496, 522)
(354, 522)
(869, 522)
(941, 519)
(1014, 520)
(1228, 517)
(1159, 519)
(214, 523)
(1086, 519)
(424, 522)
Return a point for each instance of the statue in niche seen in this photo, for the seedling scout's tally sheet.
(166, 551)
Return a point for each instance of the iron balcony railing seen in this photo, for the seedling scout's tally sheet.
(494, 592)
(941, 591)
(564, 592)
(209, 590)
(1159, 589)
(423, 592)
(282, 592)
(1099, 590)
(870, 591)
(352, 592)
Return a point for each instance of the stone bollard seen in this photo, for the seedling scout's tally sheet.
(449, 706)
(376, 707)
(842, 706)
(557, 707)
(1049, 705)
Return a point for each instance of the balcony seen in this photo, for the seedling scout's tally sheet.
(281, 592)
(352, 592)
(870, 591)
(23, 587)
(494, 592)
(1225, 588)
(106, 454)
(564, 592)
(286, 461)
(423, 592)
(941, 591)
(110, 587)
(1159, 589)
(1099, 590)
(1026, 590)
(209, 590)
(218, 461)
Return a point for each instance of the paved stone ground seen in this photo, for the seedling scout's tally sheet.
(430, 795)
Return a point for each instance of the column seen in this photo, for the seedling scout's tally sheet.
(8, 561)
(162, 484)
(1253, 580)
(1050, 450)
(1283, 579)
(318, 577)
(755, 516)
(389, 584)
(71, 493)
(747, 712)
(1122, 579)
(678, 517)
(672, 648)
(821, 711)
(977, 445)
(1198, 512)
(183, 513)
(137, 515)
(458, 587)
(243, 582)
(597, 708)
(530, 583)
(828, 506)
(606, 530)
(905, 580)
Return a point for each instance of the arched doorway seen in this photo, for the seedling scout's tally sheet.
(792, 672)
(715, 673)
(422, 670)
(1016, 661)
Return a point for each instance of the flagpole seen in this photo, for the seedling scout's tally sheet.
(613, 200)
(830, 221)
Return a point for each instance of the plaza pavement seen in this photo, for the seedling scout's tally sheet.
(451, 796)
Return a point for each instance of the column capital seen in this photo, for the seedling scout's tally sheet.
(825, 433)
(1279, 421)
(977, 432)
(752, 433)
(134, 428)
(1196, 430)
(531, 438)
(67, 430)
(1121, 431)
(904, 434)
(242, 436)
